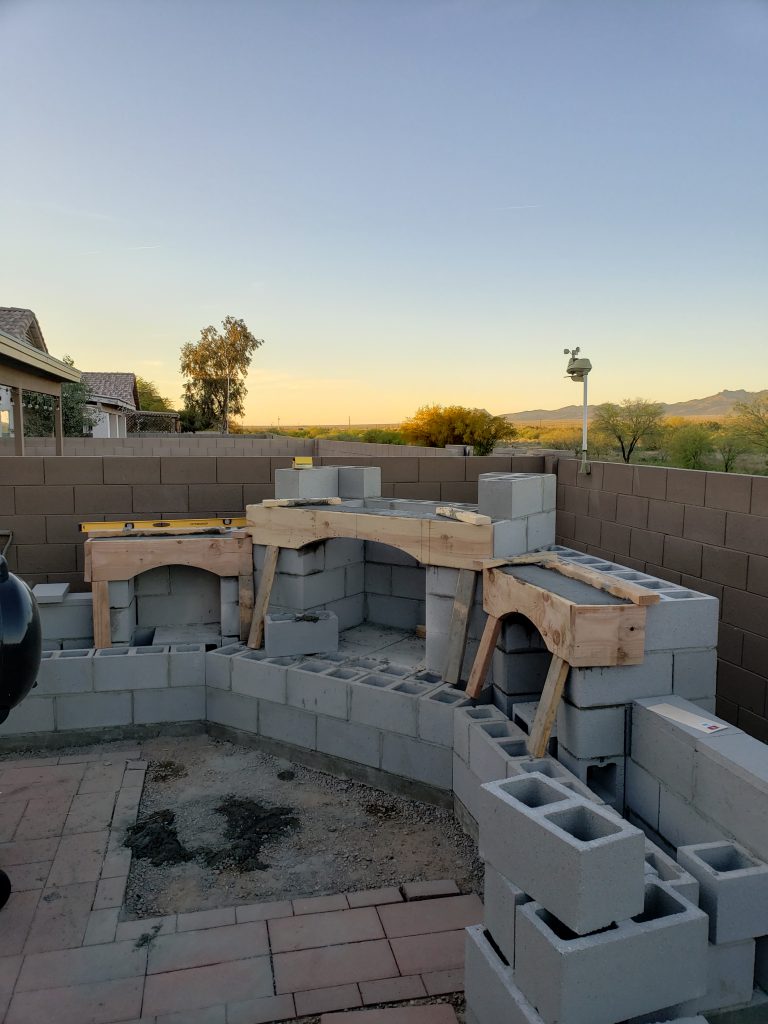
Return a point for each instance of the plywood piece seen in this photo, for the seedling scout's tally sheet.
(538, 740)
(119, 559)
(580, 634)
(483, 657)
(457, 638)
(102, 626)
(261, 603)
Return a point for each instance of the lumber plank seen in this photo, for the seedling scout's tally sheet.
(261, 602)
(102, 628)
(246, 602)
(298, 502)
(116, 558)
(483, 657)
(462, 610)
(462, 515)
(625, 589)
(547, 709)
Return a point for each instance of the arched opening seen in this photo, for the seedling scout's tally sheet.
(176, 604)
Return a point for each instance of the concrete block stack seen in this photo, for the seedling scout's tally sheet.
(66, 619)
(183, 604)
(576, 931)
(290, 633)
(525, 504)
(395, 588)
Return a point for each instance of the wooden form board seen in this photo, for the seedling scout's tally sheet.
(256, 633)
(580, 634)
(625, 589)
(554, 685)
(460, 615)
(430, 541)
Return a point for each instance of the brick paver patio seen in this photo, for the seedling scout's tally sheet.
(67, 956)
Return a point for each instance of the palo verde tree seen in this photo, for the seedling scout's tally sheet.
(150, 399)
(438, 425)
(214, 369)
(751, 422)
(628, 423)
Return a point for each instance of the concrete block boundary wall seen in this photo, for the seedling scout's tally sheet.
(705, 531)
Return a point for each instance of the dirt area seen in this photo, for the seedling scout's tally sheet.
(221, 824)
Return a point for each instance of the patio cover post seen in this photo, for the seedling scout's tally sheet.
(18, 420)
(58, 425)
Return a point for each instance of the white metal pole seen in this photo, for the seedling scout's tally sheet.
(584, 429)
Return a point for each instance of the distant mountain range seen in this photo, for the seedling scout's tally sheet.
(715, 406)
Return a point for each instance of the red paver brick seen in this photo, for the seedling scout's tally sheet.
(429, 890)
(438, 1014)
(439, 915)
(441, 982)
(261, 1011)
(319, 904)
(425, 954)
(61, 917)
(375, 897)
(321, 1000)
(85, 966)
(335, 965)
(310, 930)
(263, 911)
(79, 858)
(31, 781)
(392, 990)
(79, 1004)
(17, 917)
(237, 981)
(205, 919)
(210, 946)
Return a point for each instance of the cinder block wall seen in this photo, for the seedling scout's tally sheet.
(707, 531)
(43, 499)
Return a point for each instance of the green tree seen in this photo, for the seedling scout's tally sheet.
(690, 445)
(729, 442)
(752, 422)
(214, 369)
(150, 399)
(76, 417)
(628, 423)
(436, 426)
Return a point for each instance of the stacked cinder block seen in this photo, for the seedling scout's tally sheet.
(290, 633)
(595, 940)
(395, 587)
(66, 619)
(525, 503)
(184, 603)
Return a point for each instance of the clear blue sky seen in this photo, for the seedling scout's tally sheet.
(411, 200)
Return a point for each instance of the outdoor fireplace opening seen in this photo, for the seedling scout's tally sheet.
(184, 604)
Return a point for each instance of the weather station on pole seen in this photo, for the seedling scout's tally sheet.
(578, 370)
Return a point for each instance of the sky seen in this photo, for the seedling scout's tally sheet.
(411, 201)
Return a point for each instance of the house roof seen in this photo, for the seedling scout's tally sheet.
(118, 386)
(22, 325)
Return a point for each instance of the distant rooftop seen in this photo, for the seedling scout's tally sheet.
(22, 325)
(119, 386)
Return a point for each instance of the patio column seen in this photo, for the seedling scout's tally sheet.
(18, 421)
(58, 425)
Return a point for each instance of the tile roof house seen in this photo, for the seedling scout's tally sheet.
(113, 397)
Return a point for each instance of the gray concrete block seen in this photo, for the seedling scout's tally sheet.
(489, 985)
(642, 793)
(218, 665)
(436, 711)
(681, 619)
(78, 643)
(492, 745)
(552, 769)
(386, 704)
(620, 684)
(398, 612)
(33, 714)
(591, 732)
(680, 824)
(93, 710)
(230, 619)
(408, 581)
(232, 709)
(187, 665)
(603, 775)
(510, 538)
(302, 592)
(359, 481)
(378, 579)
(299, 562)
(733, 889)
(67, 619)
(354, 579)
(254, 674)
(122, 624)
(463, 718)
(50, 593)
(65, 672)
(441, 581)
(466, 786)
(153, 582)
(320, 688)
(438, 613)
(639, 966)
(659, 864)
(761, 963)
(229, 589)
(507, 703)
(386, 554)
(314, 482)
(510, 495)
(122, 593)
(193, 607)
(584, 864)
(289, 725)
(541, 530)
(520, 672)
(694, 673)
(130, 668)
(350, 611)
(519, 634)
(349, 740)
(343, 551)
(415, 759)
(288, 634)
(549, 492)
(501, 898)
(180, 704)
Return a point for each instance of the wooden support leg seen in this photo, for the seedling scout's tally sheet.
(483, 657)
(462, 609)
(245, 597)
(102, 628)
(547, 709)
(256, 635)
